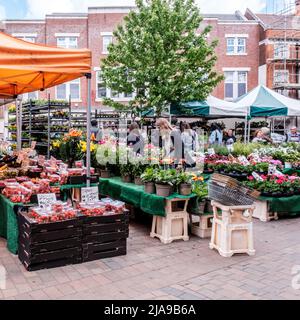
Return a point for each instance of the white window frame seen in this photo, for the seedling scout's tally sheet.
(68, 91)
(28, 37)
(67, 44)
(236, 38)
(281, 54)
(106, 35)
(235, 83)
(285, 74)
(120, 98)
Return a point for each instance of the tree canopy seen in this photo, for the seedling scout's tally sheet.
(160, 54)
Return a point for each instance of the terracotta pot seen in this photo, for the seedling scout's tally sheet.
(138, 181)
(185, 189)
(164, 190)
(150, 187)
(105, 174)
(127, 179)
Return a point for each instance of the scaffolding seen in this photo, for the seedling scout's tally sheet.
(285, 61)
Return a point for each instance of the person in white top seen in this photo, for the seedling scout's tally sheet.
(190, 140)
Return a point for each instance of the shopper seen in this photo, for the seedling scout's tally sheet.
(135, 139)
(216, 136)
(95, 132)
(261, 136)
(190, 140)
(169, 139)
(293, 135)
(229, 139)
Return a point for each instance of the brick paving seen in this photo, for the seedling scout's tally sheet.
(180, 271)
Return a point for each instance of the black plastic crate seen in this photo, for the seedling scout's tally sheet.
(49, 262)
(97, 251)
(82, 179)
(36, 248)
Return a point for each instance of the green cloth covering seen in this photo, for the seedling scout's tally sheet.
(65, 189)
(291, 171)
(9, 224)
(136, 196)
(290, 205)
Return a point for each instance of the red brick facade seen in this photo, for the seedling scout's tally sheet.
(90, 28)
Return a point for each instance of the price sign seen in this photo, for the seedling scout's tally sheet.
(89, 195)
(46, 200)
(257, 177)
(243, 160)
(272, 169)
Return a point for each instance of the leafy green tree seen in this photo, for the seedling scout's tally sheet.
(160, 54)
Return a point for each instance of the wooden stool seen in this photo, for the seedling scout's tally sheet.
(201, 228)
(232, 233)
(174, 226)
(262, 212)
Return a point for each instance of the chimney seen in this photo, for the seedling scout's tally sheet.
(297, 3)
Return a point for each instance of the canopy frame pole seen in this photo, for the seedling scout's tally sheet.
(19, 122)
(88, 130)
(246, 127)
(249, 131)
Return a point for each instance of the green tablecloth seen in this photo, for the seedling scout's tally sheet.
(9, 224)
(290, 205)
(291, 171)
(65, 189)
(136, 196)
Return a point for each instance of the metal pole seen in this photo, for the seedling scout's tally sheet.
(88, 131)
(249, 130)
(245, 133)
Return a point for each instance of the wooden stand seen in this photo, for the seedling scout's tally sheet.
(174, 226)
(201, 228)
(262, 213)
(232, 233)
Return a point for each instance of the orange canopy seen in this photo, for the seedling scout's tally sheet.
(27, 67)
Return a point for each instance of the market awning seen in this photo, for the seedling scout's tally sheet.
(211, 107)
(264, 102)
(27, 67)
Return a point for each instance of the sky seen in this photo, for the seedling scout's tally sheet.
(34, 9)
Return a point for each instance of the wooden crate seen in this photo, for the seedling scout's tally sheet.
(49, 245)
(105, 236)
(97, 251)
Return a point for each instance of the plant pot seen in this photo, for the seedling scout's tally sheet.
(105, 174)
(150, 187)
(138, 181)
(127, 179)
(163, 190)
(185, 189)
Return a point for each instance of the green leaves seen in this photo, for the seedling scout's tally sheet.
(159, 54)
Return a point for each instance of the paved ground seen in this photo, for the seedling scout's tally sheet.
(182, 270)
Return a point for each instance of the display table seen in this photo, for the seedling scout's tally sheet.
(9, 223)
(136, 196)
(268, 208)
(291, 171)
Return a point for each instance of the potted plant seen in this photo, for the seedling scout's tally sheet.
(165, 181)
(184, 182)
(138, 170)
(148, 178)
(106, 157)
(126, 172)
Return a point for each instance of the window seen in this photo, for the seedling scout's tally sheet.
(281, 51)
(235, 84)
(64, 91)
(28, 39)
(281, 76)
(101, 88)
(236, 45)
(67, 42)
(104, 92)
(107, 40)
(30, 96)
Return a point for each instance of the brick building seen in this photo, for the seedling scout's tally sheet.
(244, 49)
